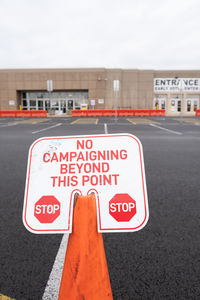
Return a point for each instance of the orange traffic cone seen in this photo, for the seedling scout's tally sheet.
(85, 273)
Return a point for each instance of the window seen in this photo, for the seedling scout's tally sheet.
(189, 105)
(44, 100)
(32, 104)
(195, 105)
(163, 104)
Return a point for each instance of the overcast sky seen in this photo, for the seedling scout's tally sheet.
(142, 34)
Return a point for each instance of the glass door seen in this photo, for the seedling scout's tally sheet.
(192, 103)
(195, 104)
(63, 106)
(47, 105)
(176, 104)
(70, 104)
(159, 102)
(40, 104)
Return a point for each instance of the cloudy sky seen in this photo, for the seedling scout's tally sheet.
(142, 34)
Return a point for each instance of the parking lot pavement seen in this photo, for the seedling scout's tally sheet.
(159, 262)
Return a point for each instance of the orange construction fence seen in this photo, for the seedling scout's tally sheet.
(120, 112)
(23, 113)
(197, 112)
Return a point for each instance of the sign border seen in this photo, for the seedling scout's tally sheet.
(69, 228)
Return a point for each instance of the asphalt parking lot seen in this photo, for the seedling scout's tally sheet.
(162, 261)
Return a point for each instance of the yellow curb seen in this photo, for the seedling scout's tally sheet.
(140, 120)
(2, 297)
(131, 121)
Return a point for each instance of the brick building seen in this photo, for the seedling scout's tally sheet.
(177, 91)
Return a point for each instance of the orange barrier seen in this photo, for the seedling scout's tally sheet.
(197, 112)
(85, 273)
(120, 112)
(23, 113)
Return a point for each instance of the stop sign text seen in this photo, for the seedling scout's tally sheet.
(122, 207)
(47, 209)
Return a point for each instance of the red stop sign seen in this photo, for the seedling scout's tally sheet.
(47, 209)
(122, 207)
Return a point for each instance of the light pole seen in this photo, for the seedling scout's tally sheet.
(50, 89)
(116, 91)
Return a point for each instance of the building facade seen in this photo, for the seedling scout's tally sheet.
(178, 92)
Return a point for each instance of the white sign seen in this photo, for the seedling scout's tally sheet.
(49, 85)
(176, 84)
(92, 102)
(101, 101)
(111, 166)
(116, 85)
(11, 102)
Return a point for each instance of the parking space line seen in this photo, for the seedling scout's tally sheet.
(105, 128)
(191, 121)
(47, 128)
(131, 121)
(162, 128)
(38, 120)
(53, 284)
(76, 121)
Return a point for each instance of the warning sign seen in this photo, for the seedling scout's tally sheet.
(111, 166)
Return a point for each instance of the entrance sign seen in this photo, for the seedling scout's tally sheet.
(111, 166)
(176, 84)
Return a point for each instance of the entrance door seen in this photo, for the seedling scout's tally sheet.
(63, 106)
(70, 104)
(40, 104)
(176, 105)
(47, 105)
(192, 104)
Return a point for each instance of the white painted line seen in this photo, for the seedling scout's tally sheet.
(172, 131)
(53, 285)
(47, 128)
(105, 128)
